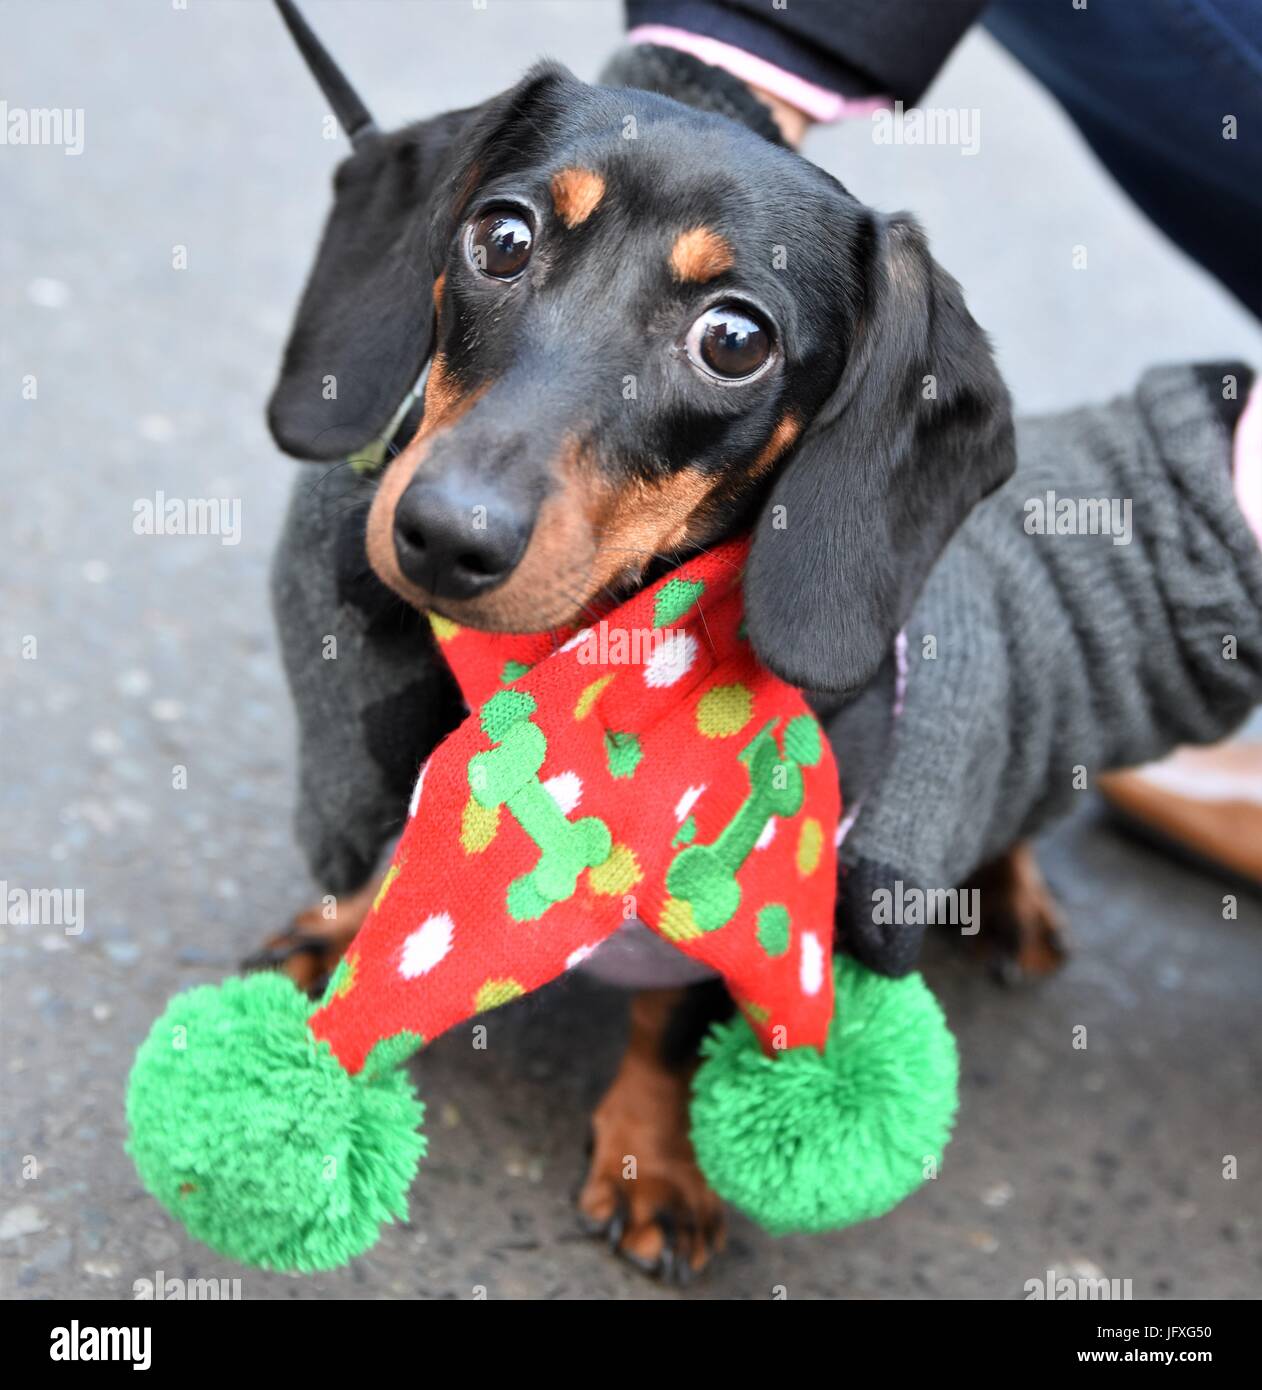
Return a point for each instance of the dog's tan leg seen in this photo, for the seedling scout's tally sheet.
(644, 1189)
(309, 948)
(1022, 933)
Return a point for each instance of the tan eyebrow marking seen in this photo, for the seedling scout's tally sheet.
(782, 439)
(576, 194)
(699, 255)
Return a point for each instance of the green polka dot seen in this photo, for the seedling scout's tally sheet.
(802, 741)
(623, 753)
(512, 669)
(724, 710)
(390, 1053)
(676, 597)
(504, 709)
(773, 929)
(686, 833)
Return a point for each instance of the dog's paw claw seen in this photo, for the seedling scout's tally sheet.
(666, 1222)
(305, 959)
(279, 951)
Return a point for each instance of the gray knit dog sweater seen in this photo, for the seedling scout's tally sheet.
(1037, 656)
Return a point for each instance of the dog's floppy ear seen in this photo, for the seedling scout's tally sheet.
(365, 321)
(363, 327)
(917, 430)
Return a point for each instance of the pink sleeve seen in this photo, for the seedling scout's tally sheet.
(819, 103)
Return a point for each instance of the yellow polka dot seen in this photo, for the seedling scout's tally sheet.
(758, 1012)
(618, 874)
(496, 992)
(386, 884)
(478, 825)
(677, 922)
(589, 697)
(810, 844)
(724, 710)
(444, 628)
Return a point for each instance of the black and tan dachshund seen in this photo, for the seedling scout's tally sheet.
(646, 327)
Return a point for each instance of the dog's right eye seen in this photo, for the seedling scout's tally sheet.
(729, 343)
(499, 243)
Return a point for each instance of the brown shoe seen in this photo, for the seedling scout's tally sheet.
(1204, 800)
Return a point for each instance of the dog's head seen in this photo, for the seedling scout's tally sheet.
(645, 326)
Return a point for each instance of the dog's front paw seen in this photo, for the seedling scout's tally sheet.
(1023, 935)
(644, 1192)
(310, 947)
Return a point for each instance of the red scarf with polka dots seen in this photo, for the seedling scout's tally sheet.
(647, 767)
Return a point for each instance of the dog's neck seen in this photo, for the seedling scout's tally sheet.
(687, 79)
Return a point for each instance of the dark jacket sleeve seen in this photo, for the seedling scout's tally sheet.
(856, 47)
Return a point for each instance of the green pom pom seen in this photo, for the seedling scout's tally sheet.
(810, 1141)
(252, 1134)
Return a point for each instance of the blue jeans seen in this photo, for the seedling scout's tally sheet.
(1152, 85)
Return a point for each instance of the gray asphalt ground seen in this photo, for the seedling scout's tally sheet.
(202, 131)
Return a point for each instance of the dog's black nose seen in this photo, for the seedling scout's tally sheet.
(455, 547)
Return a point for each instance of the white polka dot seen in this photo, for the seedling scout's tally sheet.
(687, 802)
(426, 946)
(578, 956)
(566, 789)
(766, 834)
(416, 790)
(671, 660)
(577, 640)
(811, 969)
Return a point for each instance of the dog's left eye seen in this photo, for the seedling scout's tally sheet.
(728, 341)
(499, 243)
